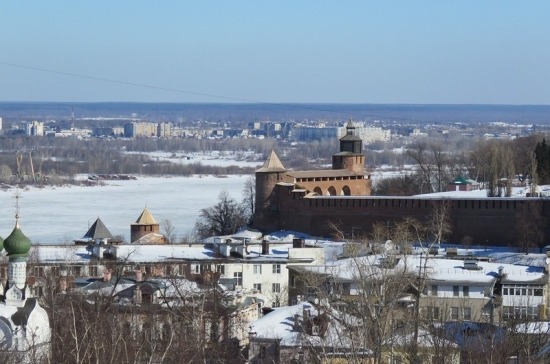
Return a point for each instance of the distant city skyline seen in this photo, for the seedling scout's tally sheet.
(391, 52)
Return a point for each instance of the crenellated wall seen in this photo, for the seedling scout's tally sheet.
(487, 221)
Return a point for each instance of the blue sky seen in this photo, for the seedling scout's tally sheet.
(480, 52)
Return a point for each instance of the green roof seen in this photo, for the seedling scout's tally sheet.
(461, 181)
(17, 245)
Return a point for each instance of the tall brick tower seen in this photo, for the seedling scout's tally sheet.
(271, 173)
(351, 155)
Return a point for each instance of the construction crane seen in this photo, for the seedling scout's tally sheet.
(32, 166)
(19, 159)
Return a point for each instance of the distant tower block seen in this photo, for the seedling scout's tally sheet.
(351, 155)
(146, 230)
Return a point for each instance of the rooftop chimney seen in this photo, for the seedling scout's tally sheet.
(298, 243)
(265, 247)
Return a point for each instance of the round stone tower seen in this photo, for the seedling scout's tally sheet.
(350, 156)
(271, 173)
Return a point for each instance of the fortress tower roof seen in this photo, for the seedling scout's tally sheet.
(98, 231)
(146, 218)
(272, 164)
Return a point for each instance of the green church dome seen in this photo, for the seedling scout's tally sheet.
(17, 245)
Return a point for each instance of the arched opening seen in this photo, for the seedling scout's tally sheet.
(318, 191)
(346, 191)
(331, 191)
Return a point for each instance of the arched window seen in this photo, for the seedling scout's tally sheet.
(331, 191)
(346, 191)
(318, 191)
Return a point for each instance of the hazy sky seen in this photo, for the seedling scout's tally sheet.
(438, 51)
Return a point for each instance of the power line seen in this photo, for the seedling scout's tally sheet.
(127, 83)
(161, 88)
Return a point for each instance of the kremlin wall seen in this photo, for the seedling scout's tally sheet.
(318, 201)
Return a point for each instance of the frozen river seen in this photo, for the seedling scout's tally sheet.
(62, 214)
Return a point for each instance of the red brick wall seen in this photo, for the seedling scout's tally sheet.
(487, 221)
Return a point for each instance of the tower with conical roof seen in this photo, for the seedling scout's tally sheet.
(98, 232)
(271, 173)
(351, 155)
(146, 225)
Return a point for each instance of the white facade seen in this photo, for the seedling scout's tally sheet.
(459, 290)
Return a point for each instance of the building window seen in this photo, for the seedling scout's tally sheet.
(505, 292)
(434, 290)
(276, 269)
(466, 291)
(39, 291)
(257, 269)
(77, 271)
(293, 281)
(39, 271)
(54, 271)
(432, 313)
(455, 291)
(238, 278)
(454, 313)
(537, 291)
(221, 269)
(93, 271)
(276, 288)
(467, 313)
(258, 287)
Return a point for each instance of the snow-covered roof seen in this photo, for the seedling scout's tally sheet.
(283, 323)
(437, 269)
(76, 254)
(534, 327)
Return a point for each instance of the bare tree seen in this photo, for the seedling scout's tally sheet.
(249, 193)
(168, 231)
(224, 218)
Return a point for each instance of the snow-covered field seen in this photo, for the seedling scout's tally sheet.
(214, 158)
(56, 215)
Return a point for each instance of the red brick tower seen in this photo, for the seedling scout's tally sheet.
(350, 156)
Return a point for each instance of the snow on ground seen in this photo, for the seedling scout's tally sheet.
(214, 158)
(516, 192)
